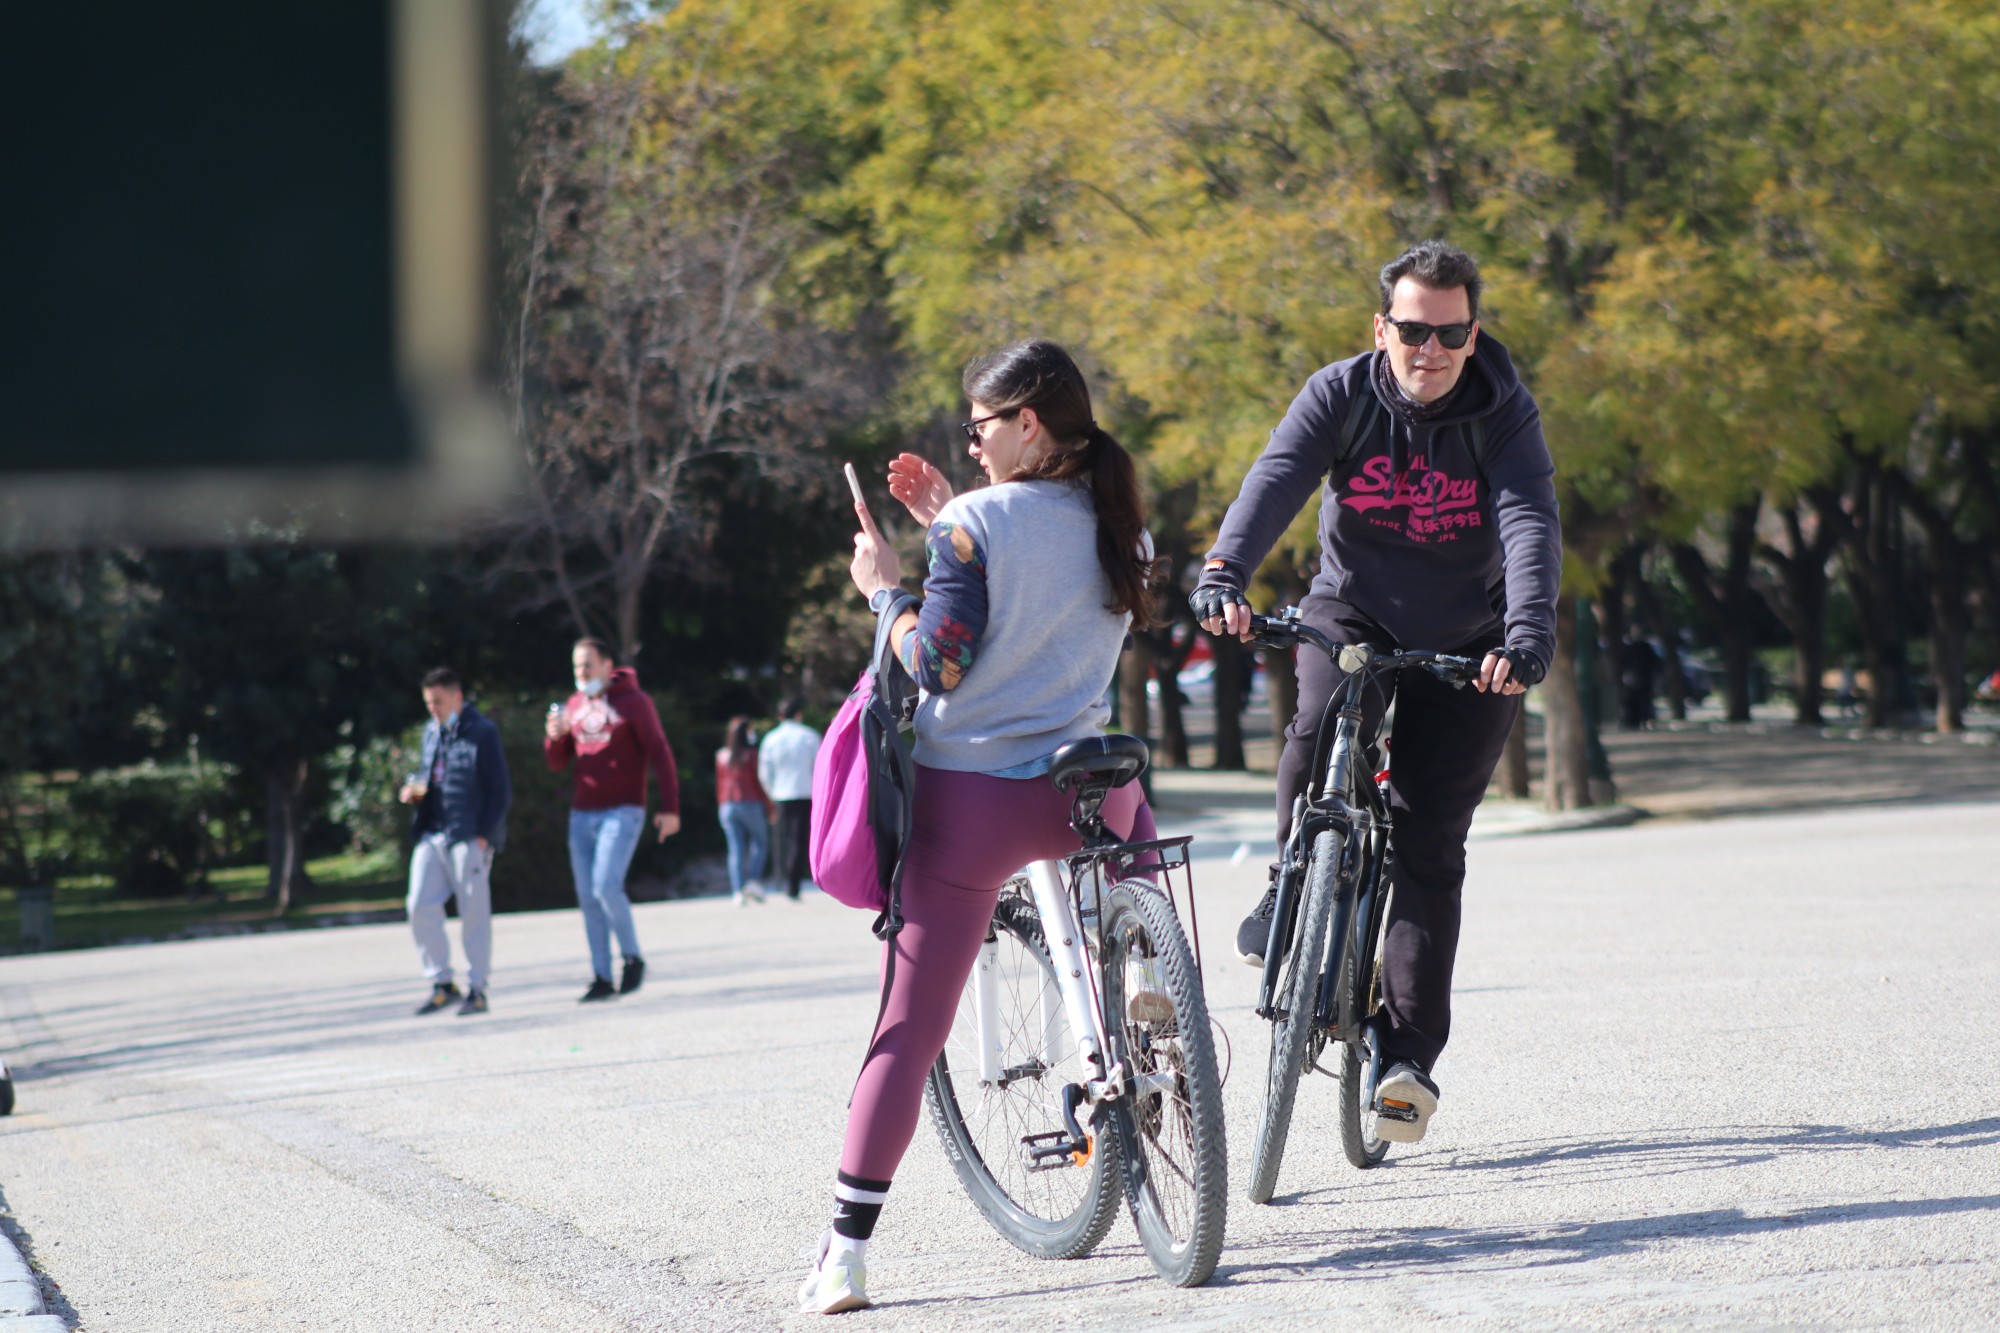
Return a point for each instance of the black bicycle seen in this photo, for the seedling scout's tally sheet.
(1333, 877)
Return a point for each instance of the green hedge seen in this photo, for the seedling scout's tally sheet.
(155, 829)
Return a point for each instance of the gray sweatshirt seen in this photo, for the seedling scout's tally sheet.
(1015, 648)
(1436, 550)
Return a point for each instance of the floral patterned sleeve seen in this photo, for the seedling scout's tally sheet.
(939, 653)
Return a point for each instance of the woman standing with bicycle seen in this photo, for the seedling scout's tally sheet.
(1032, 583)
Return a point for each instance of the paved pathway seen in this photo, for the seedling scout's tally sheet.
(1715, 1075)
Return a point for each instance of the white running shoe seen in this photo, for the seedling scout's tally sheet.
(1405, 1100)
(837, 1283)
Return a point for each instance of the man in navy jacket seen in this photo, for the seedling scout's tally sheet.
(1438, 530)
(460, 792)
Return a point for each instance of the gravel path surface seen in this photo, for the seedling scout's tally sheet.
(1704, 1075)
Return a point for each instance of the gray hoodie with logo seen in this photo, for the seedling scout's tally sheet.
(1435, 547)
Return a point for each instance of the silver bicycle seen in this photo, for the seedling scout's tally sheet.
(1081, 1066)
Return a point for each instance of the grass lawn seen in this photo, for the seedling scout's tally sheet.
(88, 914)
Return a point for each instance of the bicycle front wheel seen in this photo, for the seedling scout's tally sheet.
(1292, 1044)
(987, 1103)
(1169, 1122)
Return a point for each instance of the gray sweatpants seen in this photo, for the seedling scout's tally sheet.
(440, 870)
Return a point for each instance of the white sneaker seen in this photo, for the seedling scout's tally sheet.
(737, 898)
(837, 1284)
(754, 891)
(1404, 1103)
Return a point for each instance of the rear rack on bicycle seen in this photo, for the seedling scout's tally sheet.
(1162, 860)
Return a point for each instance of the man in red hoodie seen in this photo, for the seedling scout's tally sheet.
(610, 730)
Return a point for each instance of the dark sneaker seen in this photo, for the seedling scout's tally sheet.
(1254, 935)
(633, 977)
(1404, 1103)
(475, 1003)
(442, 995)
(600, 989)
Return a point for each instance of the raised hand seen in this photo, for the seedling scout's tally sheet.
(921, 487)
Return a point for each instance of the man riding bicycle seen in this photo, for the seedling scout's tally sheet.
(1438, 529)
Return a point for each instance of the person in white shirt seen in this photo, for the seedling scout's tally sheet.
(785, 767)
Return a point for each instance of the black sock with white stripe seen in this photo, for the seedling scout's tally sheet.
(856, 1205)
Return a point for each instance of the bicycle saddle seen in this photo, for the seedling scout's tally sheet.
(1102, 761)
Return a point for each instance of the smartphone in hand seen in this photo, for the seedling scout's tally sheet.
(860, 501)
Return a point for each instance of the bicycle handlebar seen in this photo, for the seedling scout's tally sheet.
(1286, 631)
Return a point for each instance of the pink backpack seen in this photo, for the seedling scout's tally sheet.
(863, 787)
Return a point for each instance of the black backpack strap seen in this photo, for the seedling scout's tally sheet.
(895, 694)
(1475, 444)
(1362, 409)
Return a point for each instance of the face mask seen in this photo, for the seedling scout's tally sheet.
(449, 722)
(591, 688)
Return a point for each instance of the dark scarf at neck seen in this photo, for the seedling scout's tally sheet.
(1404, 406)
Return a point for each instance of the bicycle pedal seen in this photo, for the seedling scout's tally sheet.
(1390, 1109)
(1053, 1151)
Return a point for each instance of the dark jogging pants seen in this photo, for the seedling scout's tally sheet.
(794, 841)
(1443, 749)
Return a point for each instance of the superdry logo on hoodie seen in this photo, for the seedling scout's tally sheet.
(1423, 503)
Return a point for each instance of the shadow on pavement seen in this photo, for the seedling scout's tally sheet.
(1405, 1250)
(364, 1018)
(1568, 1161)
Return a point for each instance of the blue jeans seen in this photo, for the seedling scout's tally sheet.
(743, 823)
(601, 843)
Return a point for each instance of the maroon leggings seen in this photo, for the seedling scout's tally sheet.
(970, 833)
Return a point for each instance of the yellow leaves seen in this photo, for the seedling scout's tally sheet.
(1713, 236)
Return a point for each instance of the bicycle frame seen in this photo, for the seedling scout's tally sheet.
(1076, 996)
(1336, 799)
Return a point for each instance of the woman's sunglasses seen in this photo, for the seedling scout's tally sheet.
(1415, 333)
(971, 428)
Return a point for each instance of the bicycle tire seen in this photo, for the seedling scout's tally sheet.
(1361, 989)
(1173, 1144)
(1290, 1035)
(1058, 1214)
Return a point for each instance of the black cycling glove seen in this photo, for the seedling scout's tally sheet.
(1522, 666)
(1209, 599)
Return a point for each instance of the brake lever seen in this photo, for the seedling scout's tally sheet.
(1451, 673)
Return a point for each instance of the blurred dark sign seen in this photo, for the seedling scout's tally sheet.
(249, 265)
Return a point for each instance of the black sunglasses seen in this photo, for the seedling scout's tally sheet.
(1415, 333)
(971, 428)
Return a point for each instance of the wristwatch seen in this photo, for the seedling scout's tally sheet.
(879, 600)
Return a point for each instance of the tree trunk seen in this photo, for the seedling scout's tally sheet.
(1281, 687)
(1229, 656)
(629, 592)
(1947, 598)
(1673, 681)
(1612, 624)
(1725, 601)
(1869, 569)
(1948, 653)
(1568, 764)
(1134, 712)
(1514, 759)
(284, 805)
(1168, 658)
(1800, 601)
(1281, 670)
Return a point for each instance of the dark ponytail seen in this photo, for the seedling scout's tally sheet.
(1041, 375)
